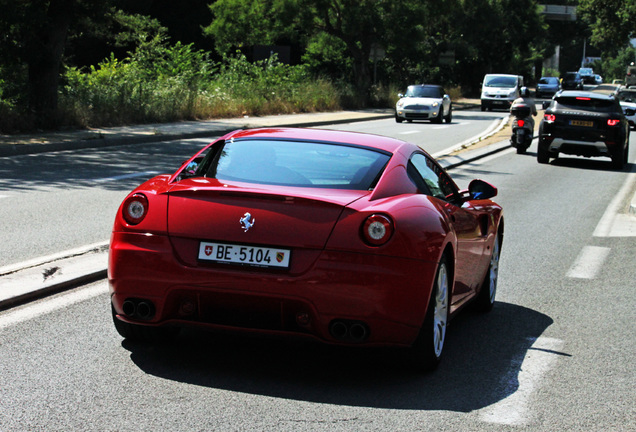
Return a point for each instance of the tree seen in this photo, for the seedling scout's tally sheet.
(35, 36)
(613, 22)
(332, 28)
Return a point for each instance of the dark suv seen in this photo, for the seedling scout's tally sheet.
(584, 124)
(572, 81)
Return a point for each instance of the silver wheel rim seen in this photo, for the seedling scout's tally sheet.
(494, 271)
(440, 317)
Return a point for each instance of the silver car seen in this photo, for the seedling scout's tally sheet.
(627, 99)
(424, 102)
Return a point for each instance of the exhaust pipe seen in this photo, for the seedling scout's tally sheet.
(349, 331)
(339, 330)
(138, 308)
(145, 310)
(130, 308)
(358, 332)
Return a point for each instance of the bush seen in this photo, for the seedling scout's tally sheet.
(183, 84)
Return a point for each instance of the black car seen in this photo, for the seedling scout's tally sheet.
(584, 124)
(572, 81)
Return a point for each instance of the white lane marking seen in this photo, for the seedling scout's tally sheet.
(589, 262)
(521, 380)
(606, 224)
(4, 196)
(126, 176)
(38, 309)
(409, 132)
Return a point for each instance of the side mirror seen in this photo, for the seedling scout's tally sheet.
(479, 189)
(191, 168)
(400, 95)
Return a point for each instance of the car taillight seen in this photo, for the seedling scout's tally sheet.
(549, 118)
(520, 123)
(135, 208)
(377, 230)
(612, 122)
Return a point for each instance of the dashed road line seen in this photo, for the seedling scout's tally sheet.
(589, 262)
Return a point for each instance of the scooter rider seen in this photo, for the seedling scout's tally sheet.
(525, 99)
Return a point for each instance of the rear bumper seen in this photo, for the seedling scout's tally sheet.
(387, 295)
(580, 148)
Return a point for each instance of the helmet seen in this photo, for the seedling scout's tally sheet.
(524, 92)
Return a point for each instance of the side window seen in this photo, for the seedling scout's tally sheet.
(429, 178)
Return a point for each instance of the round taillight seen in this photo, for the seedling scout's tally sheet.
(135, 208)
(550, 118)
(520, 123)
(377, 229)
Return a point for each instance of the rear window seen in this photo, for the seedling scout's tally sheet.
(547, 80)
(586, 103)
(295, 163)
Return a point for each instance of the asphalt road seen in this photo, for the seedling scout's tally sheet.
(556, 352)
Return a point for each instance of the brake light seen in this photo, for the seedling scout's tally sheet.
(583, 98)
(520, 123)
(377, 230)
(612, 122)
(551, 118)
(135, 208)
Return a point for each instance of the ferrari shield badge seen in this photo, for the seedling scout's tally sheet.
(247, 221)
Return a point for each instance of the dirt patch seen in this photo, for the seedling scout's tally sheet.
(502, 134)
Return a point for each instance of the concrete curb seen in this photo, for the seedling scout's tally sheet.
(174, 131)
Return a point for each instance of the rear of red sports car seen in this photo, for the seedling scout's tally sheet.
(314, 233)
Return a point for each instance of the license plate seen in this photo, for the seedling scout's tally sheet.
(244, 254)
(581, 123)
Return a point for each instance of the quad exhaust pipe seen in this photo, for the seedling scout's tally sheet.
(349, 331)
(139, 309)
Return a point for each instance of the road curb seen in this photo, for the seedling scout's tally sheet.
(200, 129)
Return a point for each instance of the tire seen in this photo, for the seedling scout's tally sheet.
(618, 159)
(140, 333)
(449, 117)
(427, 350)
(398, 119)
(486, 298)
(543, 156)
(440, 115)
(521, 149)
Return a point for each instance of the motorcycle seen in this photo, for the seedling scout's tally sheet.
(522, 128)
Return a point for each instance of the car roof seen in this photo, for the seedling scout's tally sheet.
(379, 142)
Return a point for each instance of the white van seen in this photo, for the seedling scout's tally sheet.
(500, 90)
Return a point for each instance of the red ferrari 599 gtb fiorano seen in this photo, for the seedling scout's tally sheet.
(347, 238)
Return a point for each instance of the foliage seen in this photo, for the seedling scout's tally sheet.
(168, 83)
(613, 22)
(615, 67)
